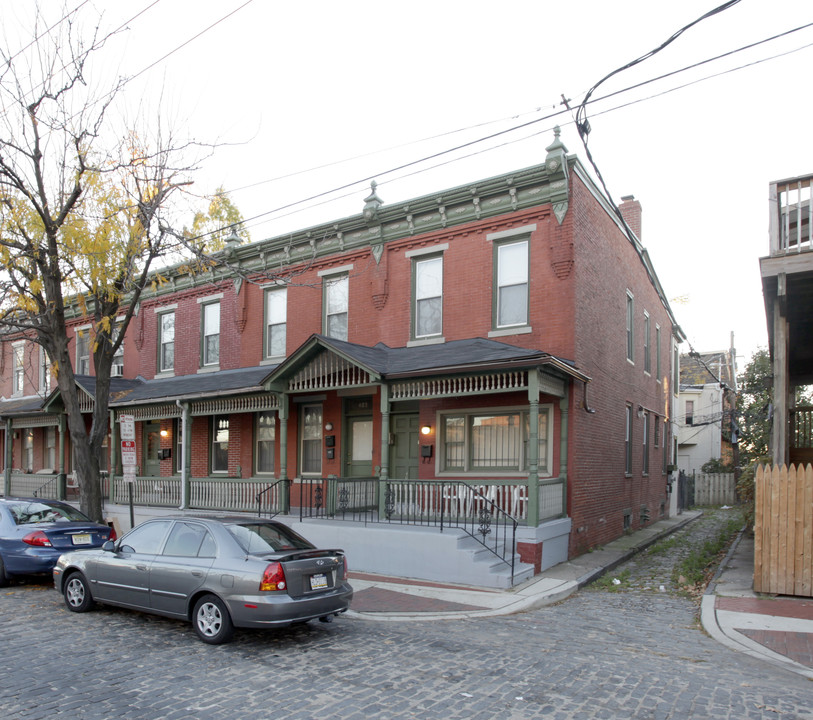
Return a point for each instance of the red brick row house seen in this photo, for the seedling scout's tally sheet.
(502, 345)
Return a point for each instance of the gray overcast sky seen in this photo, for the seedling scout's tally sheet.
(294, 86)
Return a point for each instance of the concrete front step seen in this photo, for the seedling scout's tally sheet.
(424, 553)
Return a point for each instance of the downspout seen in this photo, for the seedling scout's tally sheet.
(184, 454)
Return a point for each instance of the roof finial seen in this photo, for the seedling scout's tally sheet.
(371, 204)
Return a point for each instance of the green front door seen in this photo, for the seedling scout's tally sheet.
(152, 445)
(404, 452)
(359, 447)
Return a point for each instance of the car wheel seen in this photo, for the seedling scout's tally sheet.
(212, 621)
(77, 593)
(3, 577)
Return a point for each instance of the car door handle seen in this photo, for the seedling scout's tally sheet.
(197, 573)
(141, 567)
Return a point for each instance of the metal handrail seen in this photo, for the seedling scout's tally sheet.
(263, 492)
(442, 504)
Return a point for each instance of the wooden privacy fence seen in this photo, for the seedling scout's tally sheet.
(715, 489)
(783, 530)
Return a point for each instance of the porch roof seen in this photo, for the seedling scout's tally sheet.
(190, 387)
(15, 407)
(382, 362)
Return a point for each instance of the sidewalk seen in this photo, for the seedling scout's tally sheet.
(777, 630)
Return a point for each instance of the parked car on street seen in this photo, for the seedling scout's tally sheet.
(218, 573)
(35, 532)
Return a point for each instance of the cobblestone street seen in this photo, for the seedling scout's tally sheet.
(637, 653)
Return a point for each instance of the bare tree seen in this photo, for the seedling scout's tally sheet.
(83, 220)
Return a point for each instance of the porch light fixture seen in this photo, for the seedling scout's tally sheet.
(425, 430)
(329, 426)
(164, 432)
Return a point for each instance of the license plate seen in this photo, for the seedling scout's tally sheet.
(81, 539)
(318, 582)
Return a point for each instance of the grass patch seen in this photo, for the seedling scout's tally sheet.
(606, 581)
(696, 568)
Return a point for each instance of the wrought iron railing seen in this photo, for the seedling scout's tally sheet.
(479, 510)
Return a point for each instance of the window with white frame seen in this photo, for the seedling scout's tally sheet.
(647, 349)
(336, 299)
(630, 327)
(493, 441)
(117, 368)
(210, 346)
(220, 443)
(427, 310)
(265, 436)
(166, 341)
(310, 434)
(18, 349)
(658, 353)
(49, 456)
(276, 322)
(177, 429)
(45, 373)
(511, 284)
(83, 351)
(628, 441)
(28, 449)
(645, 467)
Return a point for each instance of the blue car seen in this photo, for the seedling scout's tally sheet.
(35, 532)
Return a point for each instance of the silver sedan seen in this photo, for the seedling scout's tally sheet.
(218, 573)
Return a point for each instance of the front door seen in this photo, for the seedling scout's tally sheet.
(359, 451)
(358, 439)
(152, 445)
(404, 452)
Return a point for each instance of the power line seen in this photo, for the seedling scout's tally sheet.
(533, 122)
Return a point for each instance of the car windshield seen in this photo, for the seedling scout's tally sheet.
(265, 537)
(41, 512)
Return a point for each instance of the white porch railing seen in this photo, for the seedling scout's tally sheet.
(791, 228)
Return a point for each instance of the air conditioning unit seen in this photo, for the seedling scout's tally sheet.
(117, 371)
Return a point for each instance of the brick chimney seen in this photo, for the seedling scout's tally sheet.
(631, 210)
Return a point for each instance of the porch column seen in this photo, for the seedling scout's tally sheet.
(285, 487)
(186, 454)
(7, 455)
(385, 432)
(533, 448)
(384, 474)
(564, 407)
(781, 386)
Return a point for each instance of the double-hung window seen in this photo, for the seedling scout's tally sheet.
(493, 441)
(28, 449)
(630, 327)
(265, 436)
(50, 447)
(276, 311)
(45, 374)
(210, 340)
(511, 284)
(83, 351)
(427, 311)
(117, 367)
(336, 297)
(310, 433)
(645, 466)
(220, 443)
(19, 368)
(628, 442)
(658, 353)
(647, 349)
(166, 341)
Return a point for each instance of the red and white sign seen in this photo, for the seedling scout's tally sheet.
(128, 453)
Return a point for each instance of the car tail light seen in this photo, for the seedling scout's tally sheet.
(344, 558)
(113, 535)
(38, 539)
(273, 577)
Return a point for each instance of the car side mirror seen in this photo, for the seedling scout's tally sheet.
(109, 546)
